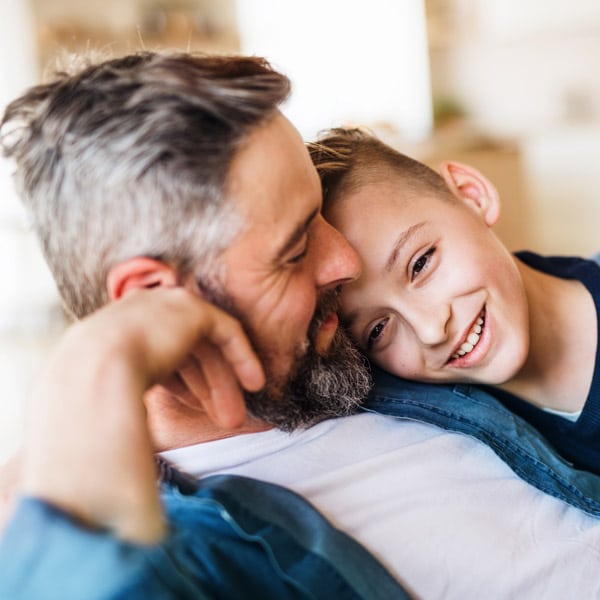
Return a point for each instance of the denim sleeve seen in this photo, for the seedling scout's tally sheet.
(45, 555)
(466, 409)
(231, 538)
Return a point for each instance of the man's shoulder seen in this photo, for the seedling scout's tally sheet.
(470, 410)
(271, 538)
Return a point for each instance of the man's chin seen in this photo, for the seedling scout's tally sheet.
(327, 378)
(317, 388)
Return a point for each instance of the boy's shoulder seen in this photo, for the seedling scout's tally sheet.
(567, 267)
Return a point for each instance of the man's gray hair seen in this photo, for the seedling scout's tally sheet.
(130, 157)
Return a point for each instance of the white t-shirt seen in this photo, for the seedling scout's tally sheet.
(439, 509)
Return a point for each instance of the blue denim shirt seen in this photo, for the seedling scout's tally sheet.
(233, 537)
(472, 411)
(230, 537)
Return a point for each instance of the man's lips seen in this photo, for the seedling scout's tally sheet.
(325, 333)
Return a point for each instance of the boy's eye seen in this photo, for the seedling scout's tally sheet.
(421, 263)
(375, 333)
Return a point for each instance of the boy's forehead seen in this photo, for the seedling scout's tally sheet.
(380, 221)
(393, 194)
(368, 196)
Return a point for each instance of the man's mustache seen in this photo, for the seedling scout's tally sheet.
(327, 303)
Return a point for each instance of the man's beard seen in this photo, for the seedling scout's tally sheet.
(317, 387)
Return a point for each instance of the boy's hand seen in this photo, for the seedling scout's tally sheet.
(87, 445)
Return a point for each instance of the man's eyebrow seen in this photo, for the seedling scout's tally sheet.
(296, 235)
(403, 238)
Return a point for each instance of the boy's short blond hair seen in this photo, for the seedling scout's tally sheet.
(349, 158)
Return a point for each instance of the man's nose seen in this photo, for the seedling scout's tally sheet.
(429, 321)
(336, 262)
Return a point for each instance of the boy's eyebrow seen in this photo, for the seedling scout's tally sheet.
(403, 238)
(296, 235)
(350, 319)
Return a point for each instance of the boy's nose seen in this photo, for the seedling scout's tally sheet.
(430, 322)
(336, 261)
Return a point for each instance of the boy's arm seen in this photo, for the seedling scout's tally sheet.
(87, 448)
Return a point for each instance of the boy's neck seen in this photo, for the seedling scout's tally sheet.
(560, 365)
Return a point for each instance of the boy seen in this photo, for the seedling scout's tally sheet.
(440, 298)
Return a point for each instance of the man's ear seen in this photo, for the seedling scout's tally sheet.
(136, 273)
(469, 185)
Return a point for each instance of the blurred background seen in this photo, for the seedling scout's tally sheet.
(509, 86)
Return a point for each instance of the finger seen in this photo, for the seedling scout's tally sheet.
(225, 401)
(228, 335)
(176, 386)
(173, 384)
(191, 374)
(192, 318)
(162, 327)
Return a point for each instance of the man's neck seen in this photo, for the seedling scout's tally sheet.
(173, 424)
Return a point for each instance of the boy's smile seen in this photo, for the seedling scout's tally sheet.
(473, 346)
(439, 297)
(471, 341)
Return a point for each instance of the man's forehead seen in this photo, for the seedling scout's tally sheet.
(274, 185)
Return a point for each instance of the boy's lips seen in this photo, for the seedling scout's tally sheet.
(468, 351)
(325, 333)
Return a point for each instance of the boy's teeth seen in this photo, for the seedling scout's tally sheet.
(472, 339)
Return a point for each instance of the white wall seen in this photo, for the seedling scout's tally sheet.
(518, 67)
(28, 304)
(528, 72)
(563, 189)
(116, 15)
(17, 69)
(350, 62)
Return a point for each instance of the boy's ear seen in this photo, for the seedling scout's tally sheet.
(136, 273)
(469, 185)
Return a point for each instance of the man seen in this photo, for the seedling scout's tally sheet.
(169, 186)
(226, 538)
(121, 148)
